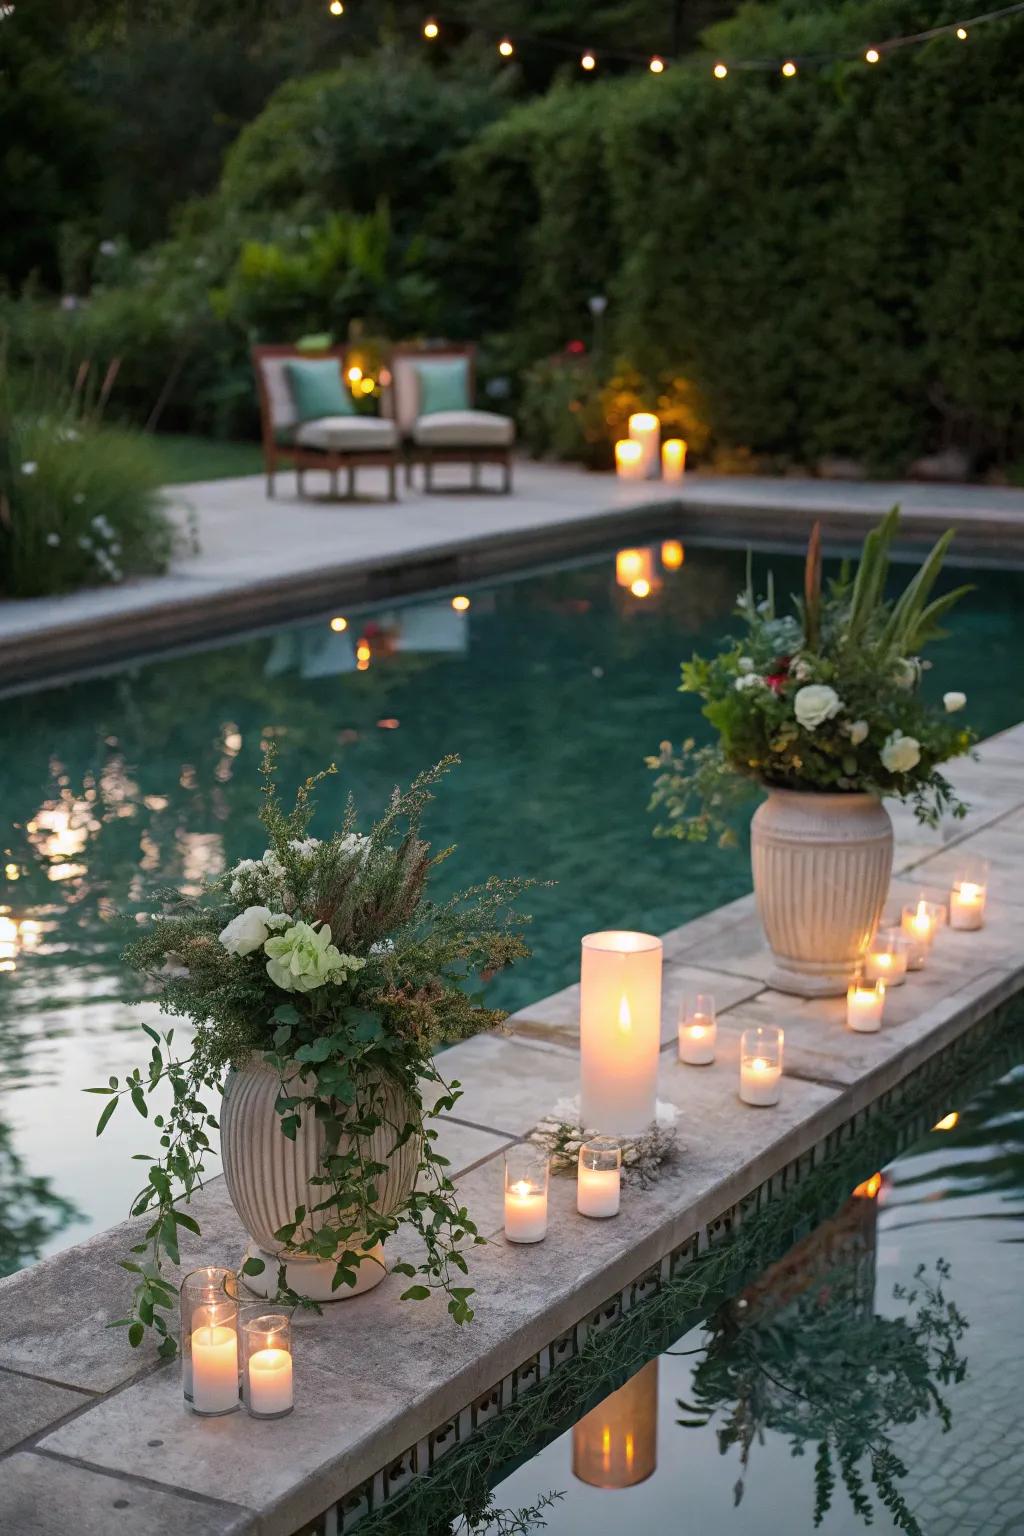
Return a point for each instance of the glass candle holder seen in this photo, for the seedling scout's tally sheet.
(267, 1384)
(213, 1348)
(526, 1193)
(599, 1177)
(761, 1065)
(698, 1030)
(967, 897)
(888, 958)
(203, 1294)
(919, 923)
(865, 1004)
(620, 1031)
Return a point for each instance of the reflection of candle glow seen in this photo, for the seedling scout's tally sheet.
(632, 565)
(948, 1122)
(461, 603)
(672, 553)
(641, 588)
(869, 1189)
(615, 1445)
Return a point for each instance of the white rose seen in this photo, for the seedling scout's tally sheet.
(748, 680)
(856, 730)
(247, 931)
(746, 664)
(900, 753)
(954, 701)
(815, 704)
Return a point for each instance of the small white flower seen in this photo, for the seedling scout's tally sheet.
(800, 670)
(907, 672)
(953, 702)
(108, 247)
(900, 753)
(857, 730)
(78, 498)
(272, 864)
(115, 549)
(815, 704)
(746, 664)
(246, 932)
(356, 846)
(29, 467)
(382, 947)
(305, 847)
(247, 869)
(747, 681)
(53, 539)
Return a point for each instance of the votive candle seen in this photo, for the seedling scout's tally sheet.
(761, 1065)
(918, 924)
(620, 1031)
(215, 1367)
(599, 1177)
(698, 1031)
(673, 458)
(267, 1378)
(887, 959)
(205, 1293)
(526, 1194)
(865, 1005)
(967, 898)
(645, 430)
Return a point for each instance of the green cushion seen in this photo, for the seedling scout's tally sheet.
(316, 388)
(444, 386)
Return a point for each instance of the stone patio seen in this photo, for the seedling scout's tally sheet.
(90, 1430)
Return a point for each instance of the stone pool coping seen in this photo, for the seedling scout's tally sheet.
(267, 562)
(89, 1429)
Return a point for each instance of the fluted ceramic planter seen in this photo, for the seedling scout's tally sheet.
(268, 1175)
(821, 865)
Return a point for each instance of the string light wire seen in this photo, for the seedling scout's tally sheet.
(786, 64)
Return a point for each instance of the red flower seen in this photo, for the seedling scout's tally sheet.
(776, 681)
(576, 347)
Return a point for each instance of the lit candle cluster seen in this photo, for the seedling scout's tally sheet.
(232, 1351)
(644, 456)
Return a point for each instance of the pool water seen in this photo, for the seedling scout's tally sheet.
(552, 688)
(896, 1327)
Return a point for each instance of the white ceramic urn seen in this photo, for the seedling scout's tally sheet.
(822, 864)
(268, 1175)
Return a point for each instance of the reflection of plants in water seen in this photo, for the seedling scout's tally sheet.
(492, 1521)
(30, 1212)
(823, 1369)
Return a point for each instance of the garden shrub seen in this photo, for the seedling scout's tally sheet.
(79, 502)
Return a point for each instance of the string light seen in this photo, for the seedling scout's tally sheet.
(872, 56)
(720, 71)
(961, 33)
(430, 29)
(789, 69)
(354, 374)
(505, 48)
(588, 61)
(336, 8)
(656, 66)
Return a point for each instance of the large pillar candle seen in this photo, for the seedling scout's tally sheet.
(645, 429)
(620, 1031)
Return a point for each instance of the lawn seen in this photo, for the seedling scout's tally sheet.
(202, 458)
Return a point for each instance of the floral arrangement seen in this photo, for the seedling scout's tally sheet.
(562, 1133)
(327, 960)
(824, 698)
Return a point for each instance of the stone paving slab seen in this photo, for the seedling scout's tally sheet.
(48, 1496)
(374, 1376)
(28, 1405)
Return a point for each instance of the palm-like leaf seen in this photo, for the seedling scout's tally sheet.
(903, 621)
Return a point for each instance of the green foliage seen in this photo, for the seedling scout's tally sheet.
(826, 699)
(79, 502)
(355, 976)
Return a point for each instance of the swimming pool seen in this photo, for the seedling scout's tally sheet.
(552, 687)
(892, 1328)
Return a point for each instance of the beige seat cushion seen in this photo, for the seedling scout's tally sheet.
(348, 434)
(464, 429)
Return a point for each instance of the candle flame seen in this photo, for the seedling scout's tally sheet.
(759, 1064)
(969, 891)
(625, 1017)
(522, 1188)
(629, 1450)
(697, 1031)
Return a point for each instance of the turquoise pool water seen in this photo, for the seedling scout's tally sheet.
(895, 1327)
(552, 688)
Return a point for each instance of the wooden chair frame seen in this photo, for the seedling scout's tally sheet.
(474, 455)
(277, 455)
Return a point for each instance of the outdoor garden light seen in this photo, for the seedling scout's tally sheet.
(720, 71)
(354, 374)
(789, 69)
(339, 625)
(461, 604)
(961, 33)
(872, 56)
(430, 29)
(336, 8)
(656, 66)
(588, 61)
(505, 48)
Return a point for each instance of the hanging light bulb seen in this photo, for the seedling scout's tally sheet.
(505, 48)
(336, 8)
(656, 66)
(720, 71)
(961, 33)
(588, 61)
(789, 69)
(872, 56)
(430, 29)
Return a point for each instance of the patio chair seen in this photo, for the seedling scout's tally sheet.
(309, 421)
(431, 400)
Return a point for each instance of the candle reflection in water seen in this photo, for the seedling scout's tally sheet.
(615, 1445)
